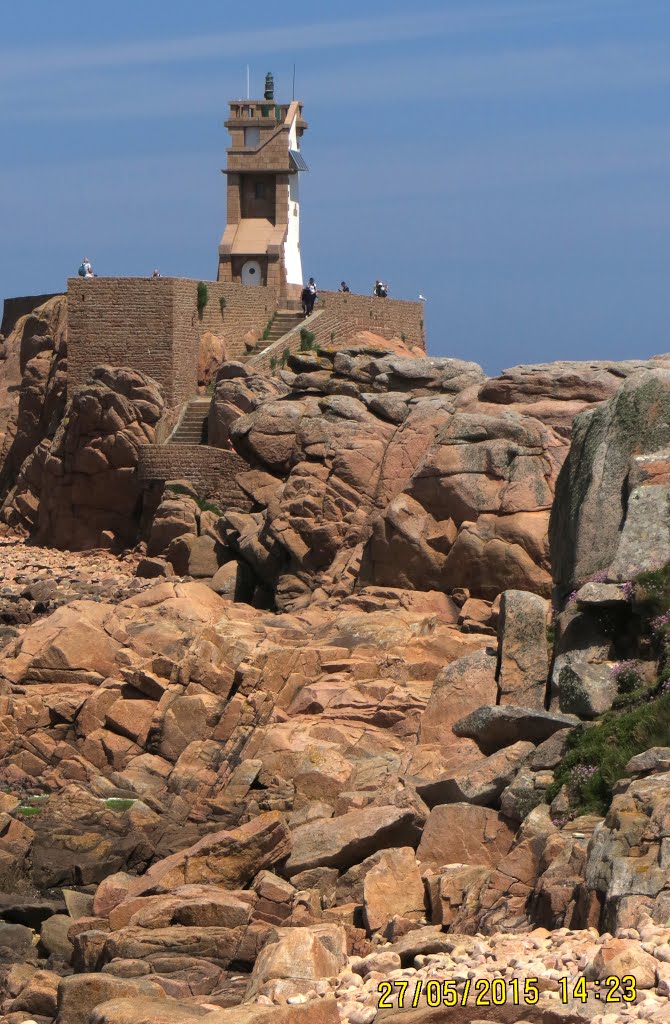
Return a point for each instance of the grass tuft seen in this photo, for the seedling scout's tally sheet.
(203, 297)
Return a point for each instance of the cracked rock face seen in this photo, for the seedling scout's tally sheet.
(79, 488)
(378, 484)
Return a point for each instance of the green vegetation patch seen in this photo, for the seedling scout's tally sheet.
(598, 754)
(208, 506)
(204, 504)
(178, 489)
(651, 593)
(203, 297)
(307, 340)
(28, 810)
(117, 803)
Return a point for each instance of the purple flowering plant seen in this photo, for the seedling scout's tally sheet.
(626, 675)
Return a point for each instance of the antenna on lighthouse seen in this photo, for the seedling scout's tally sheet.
(248, 84)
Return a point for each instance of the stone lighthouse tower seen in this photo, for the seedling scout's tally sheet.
(261, 240)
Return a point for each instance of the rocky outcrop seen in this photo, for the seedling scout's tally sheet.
(238, 391)
(611, 511)
(33, 373)
(372, 468)
(523, 663)
(380, 479)
(477, 505)
(496, 727)
(464, 834)
(210, 808)
(555, 393)
(212, 353)
(624, 864)
(80, 490)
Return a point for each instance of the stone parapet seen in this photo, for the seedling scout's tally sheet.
(339, 317)
(390, 318)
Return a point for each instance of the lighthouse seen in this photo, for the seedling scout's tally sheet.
(261, 240)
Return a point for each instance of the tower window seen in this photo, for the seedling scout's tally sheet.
(252, 137)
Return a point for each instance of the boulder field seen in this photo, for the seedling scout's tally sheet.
(390, 742)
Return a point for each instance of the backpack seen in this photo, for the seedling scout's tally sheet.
(82, 271)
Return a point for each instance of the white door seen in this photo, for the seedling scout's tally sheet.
(251, 272)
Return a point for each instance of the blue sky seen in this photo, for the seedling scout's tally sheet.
(510, 159)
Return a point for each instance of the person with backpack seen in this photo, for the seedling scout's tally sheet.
(380, 289)
(86, 270)
(312, 292)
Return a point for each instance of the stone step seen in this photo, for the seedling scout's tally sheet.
(276, 335)
(192, 428)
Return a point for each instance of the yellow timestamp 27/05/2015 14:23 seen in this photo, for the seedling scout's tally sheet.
(498, 991)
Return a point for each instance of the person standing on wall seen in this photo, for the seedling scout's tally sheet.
(312, 292)
(344, 287)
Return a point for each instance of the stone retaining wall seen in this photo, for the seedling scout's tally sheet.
(243, 309)
(152, 325)
(212, 471)
(149, 325)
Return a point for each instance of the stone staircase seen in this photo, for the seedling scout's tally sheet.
(192, 428)
(283, 321)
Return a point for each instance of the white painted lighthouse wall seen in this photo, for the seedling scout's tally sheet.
(292, 260)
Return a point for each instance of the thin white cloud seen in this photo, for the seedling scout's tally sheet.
(528, 73)
(313, 35)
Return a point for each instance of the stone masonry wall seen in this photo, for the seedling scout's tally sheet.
(212, 471)
(153, 325)
(148, 324)
(391, 318)
(338, 318)
(246, 309)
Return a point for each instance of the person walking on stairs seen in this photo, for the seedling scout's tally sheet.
(312, 292)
